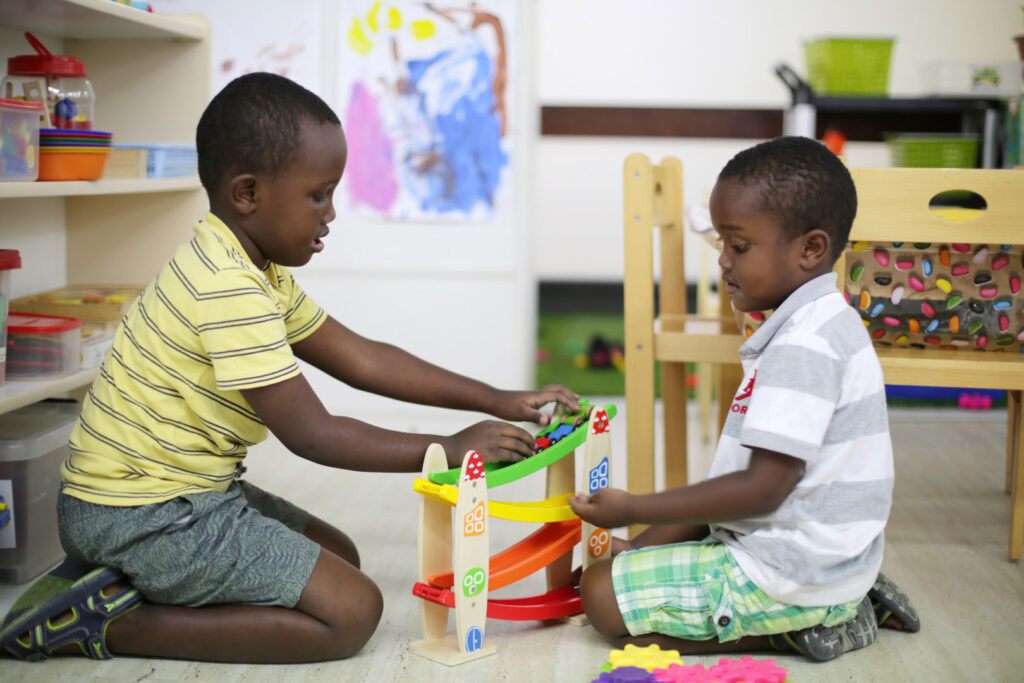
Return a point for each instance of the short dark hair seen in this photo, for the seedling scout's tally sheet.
(802, 183)
(253, 125)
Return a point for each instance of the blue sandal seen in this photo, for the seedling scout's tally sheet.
(66, 589)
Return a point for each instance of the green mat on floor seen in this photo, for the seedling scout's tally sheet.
(562, 338)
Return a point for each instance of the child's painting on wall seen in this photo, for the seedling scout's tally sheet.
(424, 99)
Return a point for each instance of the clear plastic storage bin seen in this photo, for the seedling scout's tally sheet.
(33, 444)
(19, 139)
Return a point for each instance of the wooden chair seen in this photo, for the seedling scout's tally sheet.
(893, 225)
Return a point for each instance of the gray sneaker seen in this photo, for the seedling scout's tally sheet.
(889, 601)
(822, 643)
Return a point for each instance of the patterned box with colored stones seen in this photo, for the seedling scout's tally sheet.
(955, 296)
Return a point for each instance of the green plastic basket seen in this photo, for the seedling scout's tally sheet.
(856, 67)
(935, 150)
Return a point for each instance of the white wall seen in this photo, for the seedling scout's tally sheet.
(690, 53)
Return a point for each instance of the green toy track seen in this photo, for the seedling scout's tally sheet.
(499, 473)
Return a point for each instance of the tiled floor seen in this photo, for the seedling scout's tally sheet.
(946, 546)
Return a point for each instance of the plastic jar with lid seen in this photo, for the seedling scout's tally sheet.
(68, 93)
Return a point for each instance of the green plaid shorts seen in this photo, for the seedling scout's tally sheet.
(697, 591)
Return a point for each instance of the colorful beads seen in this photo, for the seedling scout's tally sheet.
(757, 315)
(912, 290)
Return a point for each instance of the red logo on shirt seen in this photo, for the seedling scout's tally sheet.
(745, 394)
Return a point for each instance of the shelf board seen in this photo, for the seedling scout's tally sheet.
(91, 19)
(74, 188)
(16, 394)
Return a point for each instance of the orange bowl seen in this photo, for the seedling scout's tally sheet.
(72, 165)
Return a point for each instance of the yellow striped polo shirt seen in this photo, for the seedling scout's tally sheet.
(165, 416)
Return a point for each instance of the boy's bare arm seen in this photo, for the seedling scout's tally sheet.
(292, 411)
(390, 371)
(753, 492)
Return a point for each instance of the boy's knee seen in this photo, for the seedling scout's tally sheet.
(597, 592)
(357, 619)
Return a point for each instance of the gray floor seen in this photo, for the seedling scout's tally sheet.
(946, 546)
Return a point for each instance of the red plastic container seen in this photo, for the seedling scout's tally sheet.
(10, 259)
(42, 346)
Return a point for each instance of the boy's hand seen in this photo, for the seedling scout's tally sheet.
(608, 508)
(495, 441)
(524, 406)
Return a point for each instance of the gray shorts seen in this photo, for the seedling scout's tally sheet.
(243, 546)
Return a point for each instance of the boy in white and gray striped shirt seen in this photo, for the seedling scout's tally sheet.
(781, 546)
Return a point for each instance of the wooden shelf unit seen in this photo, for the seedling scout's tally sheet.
(151, 76)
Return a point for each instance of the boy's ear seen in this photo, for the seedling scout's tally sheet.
(816, 248)
(242, 193)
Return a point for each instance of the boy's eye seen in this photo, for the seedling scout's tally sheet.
(740, 248)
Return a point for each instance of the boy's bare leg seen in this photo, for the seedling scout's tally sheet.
(333, 539)
(337, 613)
(603, 612)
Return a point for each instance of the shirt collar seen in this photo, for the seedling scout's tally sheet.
(804, 294)
(224, 234)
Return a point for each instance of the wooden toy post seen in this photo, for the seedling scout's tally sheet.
(460, 575)
(470, 563)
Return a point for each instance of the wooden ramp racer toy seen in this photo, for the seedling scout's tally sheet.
(459, 576)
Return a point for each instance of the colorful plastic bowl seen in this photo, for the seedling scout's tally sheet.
(72, 163)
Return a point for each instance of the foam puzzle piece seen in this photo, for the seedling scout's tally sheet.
(743, 670)
(649, 658)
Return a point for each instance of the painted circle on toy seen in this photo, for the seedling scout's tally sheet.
(598, 542)
(473, 582)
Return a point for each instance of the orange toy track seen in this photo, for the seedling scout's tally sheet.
(534, 552)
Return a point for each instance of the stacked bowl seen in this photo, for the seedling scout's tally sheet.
(68, 154)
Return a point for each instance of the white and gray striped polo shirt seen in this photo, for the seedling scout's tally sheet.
(812, 389)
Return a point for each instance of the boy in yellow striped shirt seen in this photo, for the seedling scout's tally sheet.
(191, 561)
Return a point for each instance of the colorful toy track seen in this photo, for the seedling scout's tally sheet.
(534, 552)
(499, 473)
